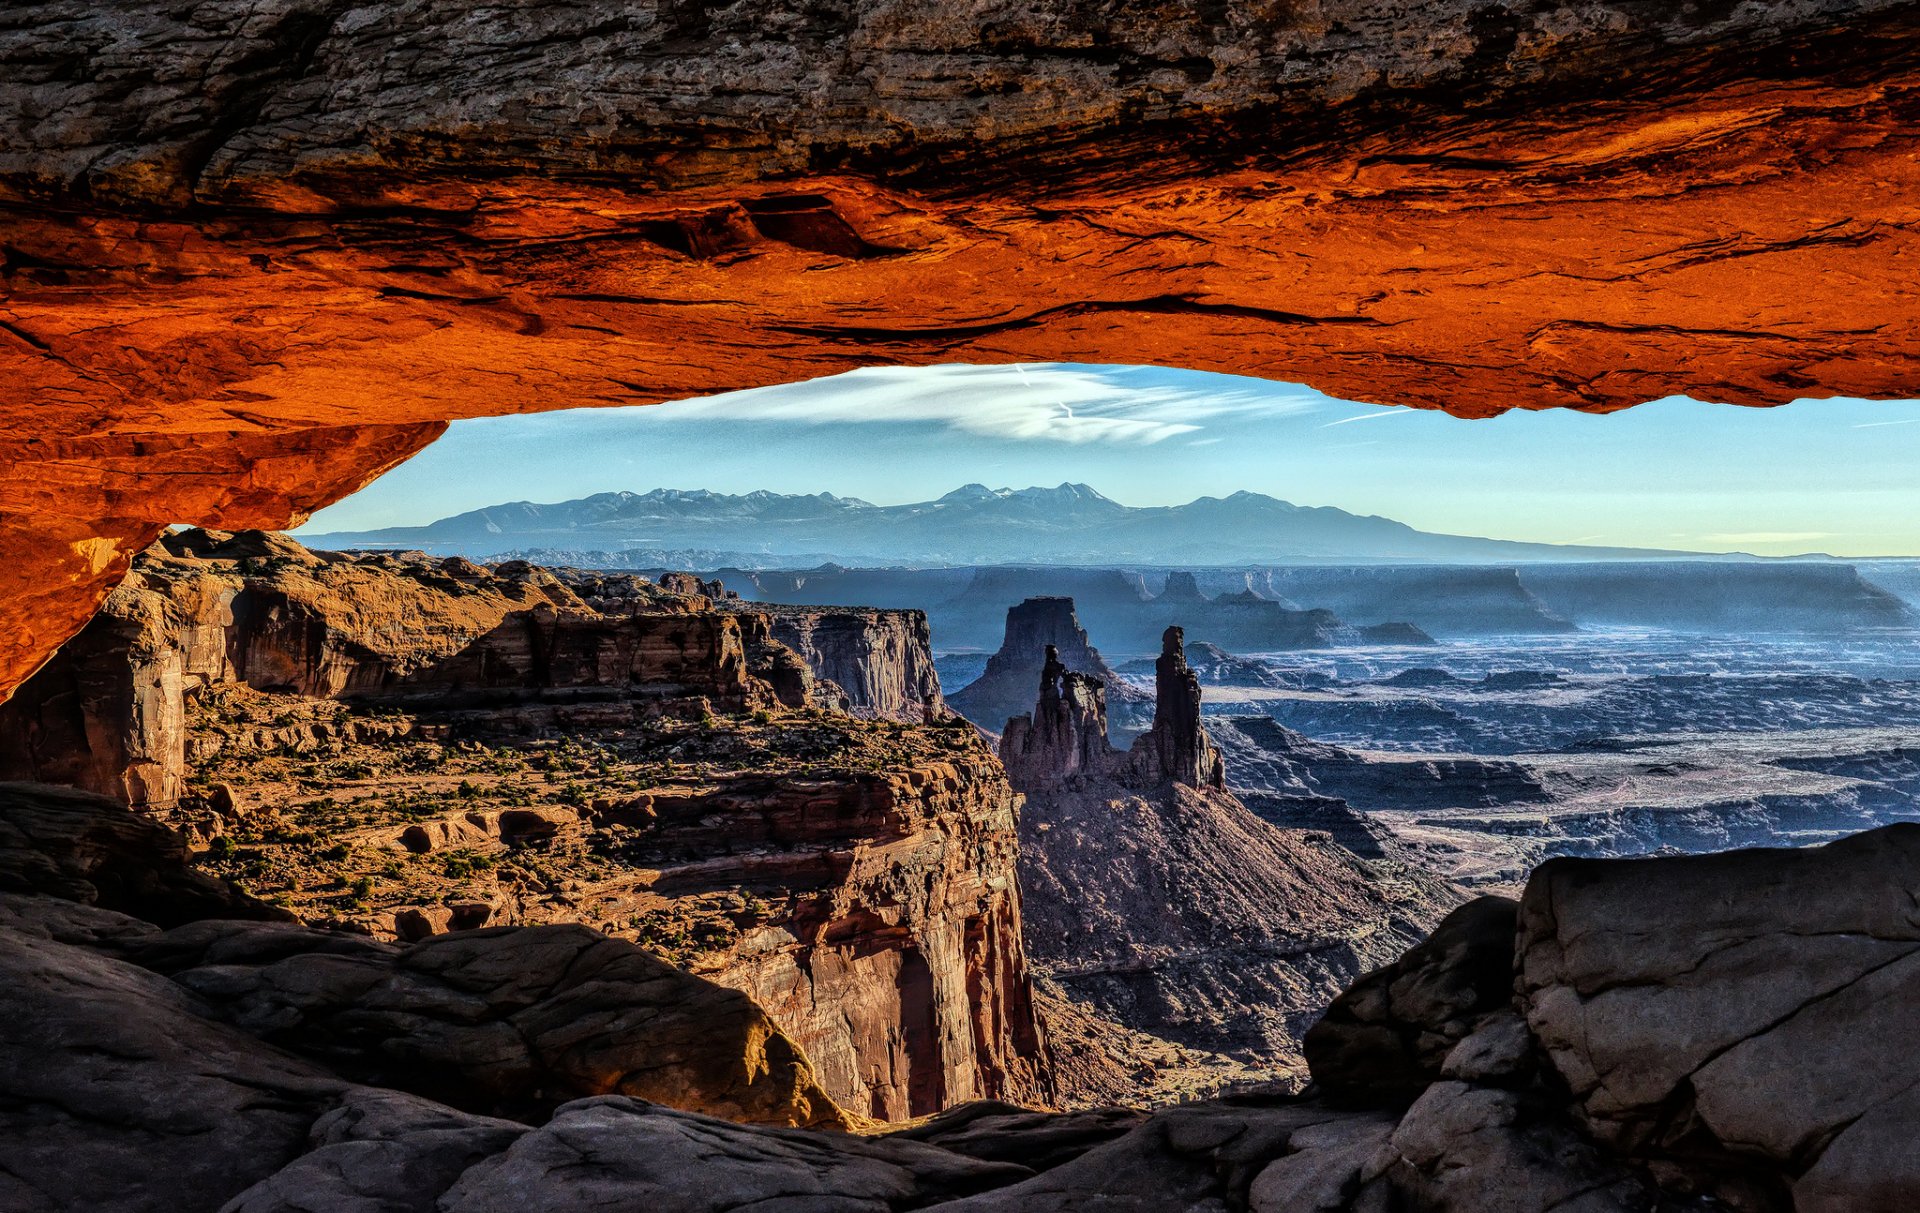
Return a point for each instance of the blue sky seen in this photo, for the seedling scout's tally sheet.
(1840, 476)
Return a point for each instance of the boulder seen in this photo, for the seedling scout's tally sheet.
(1383, 1041)
(1749, 1012)
(507, 1021)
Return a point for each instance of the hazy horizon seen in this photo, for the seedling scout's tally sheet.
(1829, 477)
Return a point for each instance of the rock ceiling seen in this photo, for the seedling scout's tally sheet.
(252, 254)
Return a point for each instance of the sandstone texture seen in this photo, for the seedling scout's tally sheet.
(256, 253)
(1771, 1029)
(882, 659)
(411, 747)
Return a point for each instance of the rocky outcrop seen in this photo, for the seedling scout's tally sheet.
(1006, 687)
(1177, 749)
(1064, 739)
(1156, 901)
(1388, 1037)
(415, 746)
(511, 1021)
(205, 609)
(84, 848)
(1685, 1033)
(882, 659)
(1760, 1047)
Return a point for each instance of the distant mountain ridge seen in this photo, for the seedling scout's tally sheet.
(1067, 524)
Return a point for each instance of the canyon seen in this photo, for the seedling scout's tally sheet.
(407, 746)
(333, 882)
(257, 255)
(1155, 901)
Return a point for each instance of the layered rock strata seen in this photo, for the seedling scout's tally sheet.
(882, 659)
(1005, 688)
(1156, 902)
(412, 747)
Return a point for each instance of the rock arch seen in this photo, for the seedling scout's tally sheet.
(252, 262)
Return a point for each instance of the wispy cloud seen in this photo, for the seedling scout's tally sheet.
(1767, 536)
(1874, 425)
(1375, 415)
(1044, 402)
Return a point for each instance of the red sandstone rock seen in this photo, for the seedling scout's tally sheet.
(240, 284)
(1154, 900)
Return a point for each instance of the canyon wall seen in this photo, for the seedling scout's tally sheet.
(882, 659)
(413, 746)
(257, 254)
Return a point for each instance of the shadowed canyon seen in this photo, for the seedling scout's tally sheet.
(1223, 857)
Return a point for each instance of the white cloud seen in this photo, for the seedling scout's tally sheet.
(1042, 402)
(1375, 415)
(1874, 425)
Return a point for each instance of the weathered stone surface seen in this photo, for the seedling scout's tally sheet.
(120, 1097)
(74, 845)
(512, 1020)
(1385, 1040)
(615, 1154)
(379, 1152)
(1748, 1011)
(1463, 1147)
(882, 659)
(308, 233)
(122, 1093)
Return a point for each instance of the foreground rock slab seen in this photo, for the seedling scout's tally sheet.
(1701, 1034)
(1756, 1005)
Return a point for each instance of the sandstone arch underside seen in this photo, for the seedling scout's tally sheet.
(253, 254)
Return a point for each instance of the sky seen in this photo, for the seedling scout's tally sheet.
(1837, 476)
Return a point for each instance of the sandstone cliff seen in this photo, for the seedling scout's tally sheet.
(1005, 688)
(1156, 901)
(882, 659)
(411, 746)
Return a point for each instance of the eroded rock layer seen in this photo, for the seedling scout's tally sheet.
(311, 228)
(1159, 907)
(410, 746)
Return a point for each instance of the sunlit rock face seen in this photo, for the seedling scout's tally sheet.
(255, 253)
